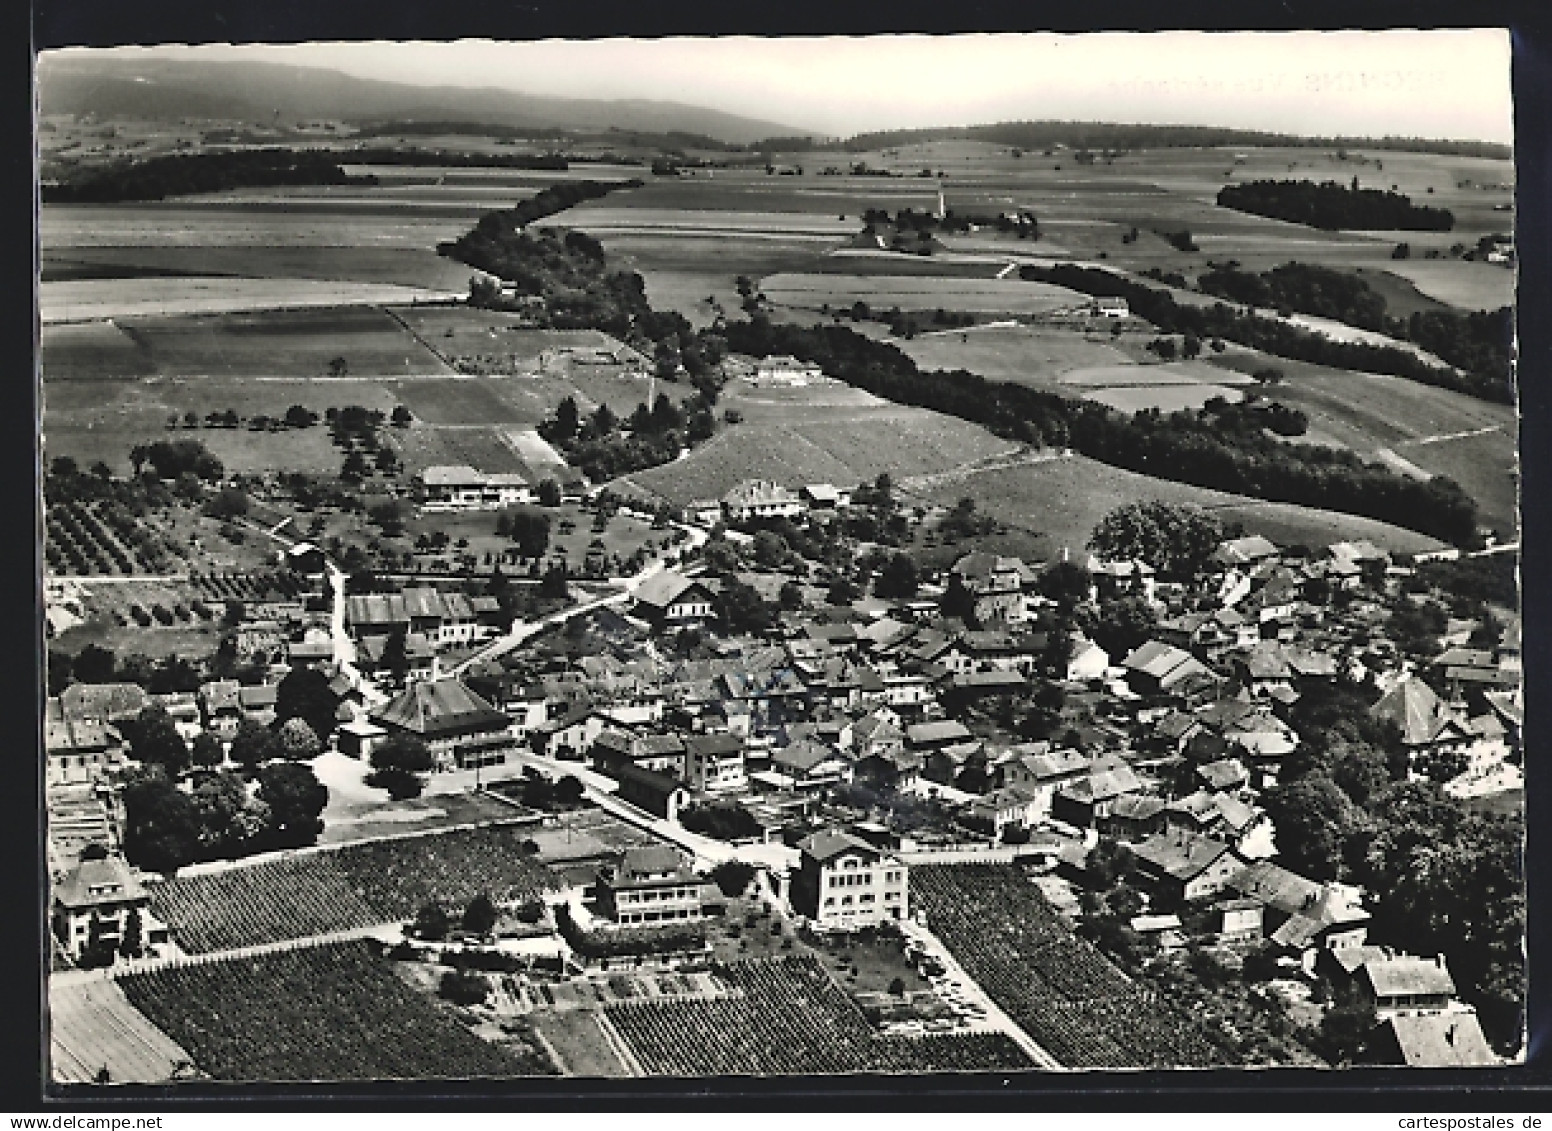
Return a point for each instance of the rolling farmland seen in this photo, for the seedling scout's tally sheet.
(908, 292)
(90, 300)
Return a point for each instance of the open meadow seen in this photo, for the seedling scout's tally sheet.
(881, 292)
(92, 300)
(1060, 500)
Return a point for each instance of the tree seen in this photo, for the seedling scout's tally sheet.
(206, 750)
(298, 741)
(305, 694)
(254, 744)
(229, 819)
(162, 825)
(1313, 818)
(899, 579)
(463, 987)
(300, 416)
(733, 877)
(530, 530)
(770, 549)
(432, 923)
(338, 367)
(958, 601)
(791, 596)
(897, 986)
(480, 916)
(95, 664)
(1065, 582)
(569, 791)
(132, 944)
(553, 586)
(401, 417)
(1345, 1032)
(1123, 624)
(1176, 540)
(402, 752)
(400, 784)
(295, 798)
(395, 658)
(549, 493)
(154, 740)
(741, 609)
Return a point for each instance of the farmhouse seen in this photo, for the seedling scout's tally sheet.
(761, 498)
(785, 370)
(462, 729)
(845, 883)
(448, 487)
(1186, 866)
(1108, 307)
(1404, 983)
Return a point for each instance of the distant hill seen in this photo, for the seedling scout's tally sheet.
(1111, 135)
(174, 89)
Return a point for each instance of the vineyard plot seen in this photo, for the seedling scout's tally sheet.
(791, 1019)
(1069, 998)
(315, 1013)
(358, 885)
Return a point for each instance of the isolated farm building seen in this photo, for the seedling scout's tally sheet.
(825, 496)
(649, 886)
(1106, 306)
(461, 728)
(1405, 983)
(658, 794)
(714, 763)
(844, 883)
(761, 498)
(1430, 1040)
(670, 600)
(103, 892)
(1186, 866)
(785, 370)
(461, 487)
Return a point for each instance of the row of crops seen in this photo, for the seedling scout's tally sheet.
(262, 585)
(315, 1013)
(1057, 987)
(103, 539)
(791, 1019)
(359, 885)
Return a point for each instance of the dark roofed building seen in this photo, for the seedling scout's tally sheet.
(649, 886)
(658, 794)
(461, 728)
(1185, 865)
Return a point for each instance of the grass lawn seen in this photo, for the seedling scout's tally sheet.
(575, 1037)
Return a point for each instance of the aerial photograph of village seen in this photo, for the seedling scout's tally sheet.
(755, 558)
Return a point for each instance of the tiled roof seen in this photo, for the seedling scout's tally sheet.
(443, 707)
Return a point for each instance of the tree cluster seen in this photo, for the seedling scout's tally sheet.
(181, 174)
(1333, 207)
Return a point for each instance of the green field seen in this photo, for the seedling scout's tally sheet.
(290, 343)
(1061, 500)
(881, 292)
(412, 267)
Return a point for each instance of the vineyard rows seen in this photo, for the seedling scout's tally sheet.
(318, 1013)
(792, 1018)
(1069, 998)
(359, 885)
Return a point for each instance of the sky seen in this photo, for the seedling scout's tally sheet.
(1437, 84)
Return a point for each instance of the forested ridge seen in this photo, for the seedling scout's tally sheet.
(182, 174)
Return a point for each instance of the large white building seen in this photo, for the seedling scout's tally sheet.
(449, 487)
(761, 498)
(844, 883)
